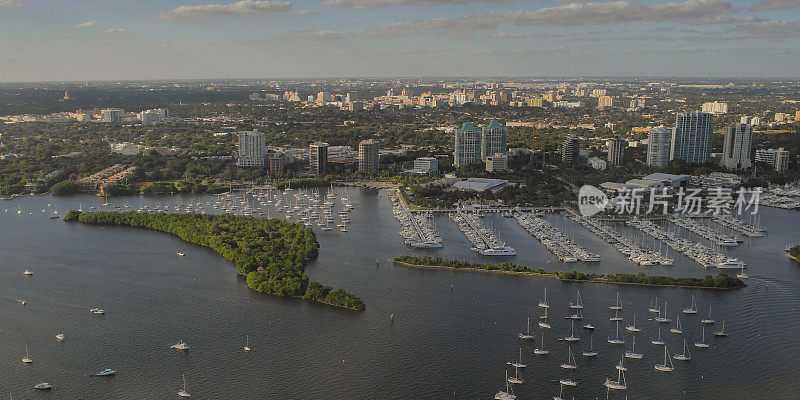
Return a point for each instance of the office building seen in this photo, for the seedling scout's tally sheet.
(569, 149)
(605, 102)
(368, 155)
(150, 117)
(324, 97)
(715, 108)
(497, 162)
(277, 164)
(766, 156)
(111, 114)
(616, 148)
(493, 139)
(467, 146)
(318, 158)
(736, 146)
(252, 149)
(691, 137)
(781, 160)
(658, 147)
(426, 165)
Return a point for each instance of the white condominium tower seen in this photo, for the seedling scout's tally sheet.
(616, 148)
(467, 146)
(252, 149)
(658, 145)
(368, 155)
(736, 148)
(691, 137)
(494, 140)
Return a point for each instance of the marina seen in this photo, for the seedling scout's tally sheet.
(484, 240)
(418, 229)
(625, 245)
(555, 241)
(736, 224)
(714, 236)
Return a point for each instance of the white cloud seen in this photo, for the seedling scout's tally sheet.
(87, 24)
(303, 36)
(769, 5)
(506, 35)
(573, 14)
(368, 4)
(772, 29)
(115, 31)
(304, 12)
(10, 3)
(188, 13)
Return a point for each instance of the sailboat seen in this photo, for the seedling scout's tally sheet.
(590, 352)
(616, 316)
(620, 383)
(570, 364)
(543, 303)
(527, 334)
(542, 351)
(247, 343)
(633, 354)
(516, 380)
(702, 343)
(677, 329)
(561, 389)
(543, 320)
(721, 333)
(183, 392)
(658, 341)
(663, 319)
(578, 303)
(708, 320)
(633, 328)
(742, 275)
(664, 367)
(572, 337)
(616, 339)
(519, 364)
(686, 356)
(26, 359)
(507, 394)
(616, 306)
(692, 309)
(651, 309)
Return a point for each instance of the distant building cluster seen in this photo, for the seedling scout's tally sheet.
(108, 176)
(112, 115)
(130, 149)
(474, 146)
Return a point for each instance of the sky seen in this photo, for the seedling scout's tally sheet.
(77, 40)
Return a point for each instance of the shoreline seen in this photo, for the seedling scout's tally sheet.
(552, 276)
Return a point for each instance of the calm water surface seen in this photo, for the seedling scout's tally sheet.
(450, 338)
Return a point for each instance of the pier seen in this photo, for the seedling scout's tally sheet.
(555, 241)
(484, 240)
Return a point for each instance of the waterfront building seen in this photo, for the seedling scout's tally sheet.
(467, 149)
(781, 160)
(368, 156)
(252, 149)
(616, 148)
(691, 137)
(494, 139)
(318, 158)
(658, 147)
(569, 149)
(736, 147)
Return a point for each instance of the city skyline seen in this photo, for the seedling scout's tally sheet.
(222, 39)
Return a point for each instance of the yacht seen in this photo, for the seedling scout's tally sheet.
(616, 339)
(180, 346)
(570, 364)
(27, 358)
(721, 333)
(708, 319)
(590, 352)
(543, 303)
(633, 328)
(519, 364)
(516, 380)
(633, 354)
(657, 341)
(567, 382)
(541, 351)
(527, 334)
(247, 343)
(180, 254)
(106, 372)
(572, 337)
(730, 263)
(98, 311)
(685, 356)
(663, 319)
(616, 306)
(620, 383)
(702, 343)
(60, 337)
(653, 310)
(578, 303)
(27, 272)
(43, 386)
(677, 329)
(665, 367)
(692, 308)
(507, 394)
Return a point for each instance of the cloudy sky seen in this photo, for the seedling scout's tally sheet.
(155, 39)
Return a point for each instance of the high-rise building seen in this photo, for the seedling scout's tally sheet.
(736, 147)
(277, 164)
(691, 137)
(781, 160)
(368, 155)
(569, 149)
(605, 101)
(494, 139)
(616, 148)
(112, 114)
(467, 146)
(252, 149)
(766, 156)
(318, 158)
(324, 97)
(638, 103)
(149, 117)
(497, 162)
(658, 147)
(598, 92)
(715, 108)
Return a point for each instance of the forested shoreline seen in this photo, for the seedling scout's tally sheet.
(272, 254)
(722, 281)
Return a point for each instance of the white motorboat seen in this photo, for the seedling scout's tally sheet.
(106, 372)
